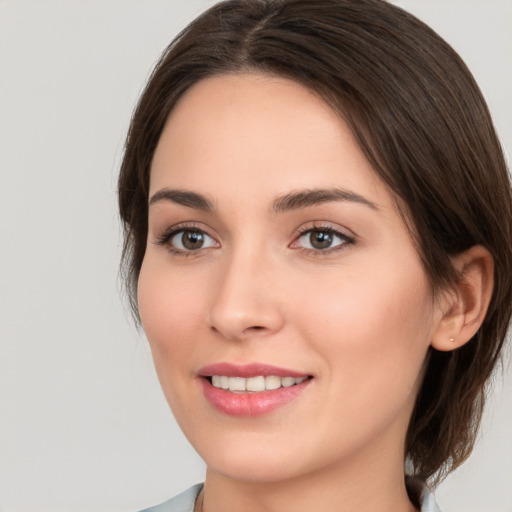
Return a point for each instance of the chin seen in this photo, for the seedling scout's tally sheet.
(252, 468)
(265, 457)
(255, 457)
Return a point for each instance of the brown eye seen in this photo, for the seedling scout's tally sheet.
(192, 240)
(320, 239)
(188, 240)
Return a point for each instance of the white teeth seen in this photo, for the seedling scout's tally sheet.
(254, 384)
(237, 383)
(272, 382)
(287, 382)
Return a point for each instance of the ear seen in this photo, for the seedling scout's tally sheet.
(463, 308)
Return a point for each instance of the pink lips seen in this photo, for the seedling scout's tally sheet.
(247, 370)
(248, 404)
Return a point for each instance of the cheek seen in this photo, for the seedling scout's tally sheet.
(372, 328)
(170, 313)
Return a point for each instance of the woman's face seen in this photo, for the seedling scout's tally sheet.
(275, 256)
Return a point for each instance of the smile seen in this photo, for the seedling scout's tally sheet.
(248, 390)
(254, 384)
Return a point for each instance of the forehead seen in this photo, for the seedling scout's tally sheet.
(237, 134)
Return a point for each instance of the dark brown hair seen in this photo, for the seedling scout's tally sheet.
(423, 124)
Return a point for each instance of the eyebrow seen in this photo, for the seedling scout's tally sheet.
(184, 198)
(295, 200)
(311, 197)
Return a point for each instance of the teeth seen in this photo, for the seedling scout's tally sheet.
(272, 382)
(224, 382)
(254, 384)
(237, 383)
(287, 382)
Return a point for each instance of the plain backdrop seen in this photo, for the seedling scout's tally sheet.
(83, 423)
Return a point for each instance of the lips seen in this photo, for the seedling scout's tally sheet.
(250, 390)
(248, 370)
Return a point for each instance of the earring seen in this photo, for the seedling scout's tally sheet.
(452, 340)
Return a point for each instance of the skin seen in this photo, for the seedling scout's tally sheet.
(359, 316)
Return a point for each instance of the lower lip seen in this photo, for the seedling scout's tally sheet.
(250, 404)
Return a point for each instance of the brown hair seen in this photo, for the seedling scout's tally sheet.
(423, 124)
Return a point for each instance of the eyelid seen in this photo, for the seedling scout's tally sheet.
(345, 235)
(165, 237)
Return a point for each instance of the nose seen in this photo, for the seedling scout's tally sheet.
(246, 303)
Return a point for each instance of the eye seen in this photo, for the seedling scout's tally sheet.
(186, 240)
(191, 240)
(322, 239)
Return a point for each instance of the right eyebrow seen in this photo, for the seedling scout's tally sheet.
(184, 198)
(311, 197)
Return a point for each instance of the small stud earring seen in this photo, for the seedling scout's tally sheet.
(452, 340)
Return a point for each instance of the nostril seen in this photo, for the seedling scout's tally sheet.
(254, 328)
(235, 323)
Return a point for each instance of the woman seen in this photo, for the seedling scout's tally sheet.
(317, 240)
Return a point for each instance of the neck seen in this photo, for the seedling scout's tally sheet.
(346, 487)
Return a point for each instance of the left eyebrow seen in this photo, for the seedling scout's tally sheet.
(311, 197)
(184, 198)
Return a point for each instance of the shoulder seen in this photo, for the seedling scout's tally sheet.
(183, 502)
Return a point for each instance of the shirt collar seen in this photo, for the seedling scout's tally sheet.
(421, 493)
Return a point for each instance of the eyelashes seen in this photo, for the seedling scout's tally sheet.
(319, 239)
(186, 239)
(322, 238)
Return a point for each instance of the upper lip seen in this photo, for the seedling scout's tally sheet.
(248, 370)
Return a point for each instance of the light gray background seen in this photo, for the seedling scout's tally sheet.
(83, 424)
